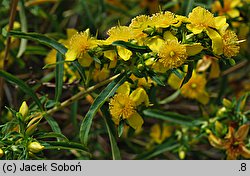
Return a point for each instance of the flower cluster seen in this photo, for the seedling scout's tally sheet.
(156, 44)
(183, 47)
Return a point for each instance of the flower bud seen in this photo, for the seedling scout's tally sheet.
(221, 112)
(35, 147)
(182, 154)
(150, 61)
(140, 67)
(1, 153)
(232, 62)
(218, 127)
(24, 109)
(227, 103)
(149, 30)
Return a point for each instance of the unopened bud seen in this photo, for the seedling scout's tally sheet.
(227, 103)
(150, 61)
(140, 67)
(182, 154)
(221, 112)
(35, 147)
(1, 153)
(232, 62)
(218, 127)
(149, 30)
(31, 129)
(24, 109)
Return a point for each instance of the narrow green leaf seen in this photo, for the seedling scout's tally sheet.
(41, 38)
(64, 145)
(24, 28)
(131, 46)
(98, 102)
(23, 86)
(111, 132)
(156, 78)
(120, 128)
(159, 149)
(169, 116)
(54, 125)
(177, 73)
(73, 115)
(170, 98)
(59, 76)
(52, 135)
(189, 4)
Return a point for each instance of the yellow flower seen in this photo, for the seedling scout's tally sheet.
(172, 54)
(202, 20)
(230, 43)
(233, 142)
(51, 57)
(195, 88)
(142, 82)
(163, 19)
(229, 8)
(159, 134)
(180, 19)
(123, 105)
(140, 22)
(123, 33)
(100, 74)
(79, 44)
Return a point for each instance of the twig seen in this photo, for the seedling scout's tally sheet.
(80, 95)
(234, 68)
(7, 47)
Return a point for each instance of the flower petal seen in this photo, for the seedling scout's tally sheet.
(124, 88)
(215, 141)
(159, 68)
(85, 60)
(135, 121)
(70, 55)
(217, 44)
(215, 70)
(233, 13)
(203, 97)
(155, 133)
(139, 96)
(193, 49)
(242, 132)
(155, 43)
(245, 152)
(174, 81)
(169, 36)
(203, 64)
(110, 54)
(124, 53)
(195, 29)
(220, 22)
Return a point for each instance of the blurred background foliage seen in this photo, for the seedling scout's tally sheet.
(54, 17)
